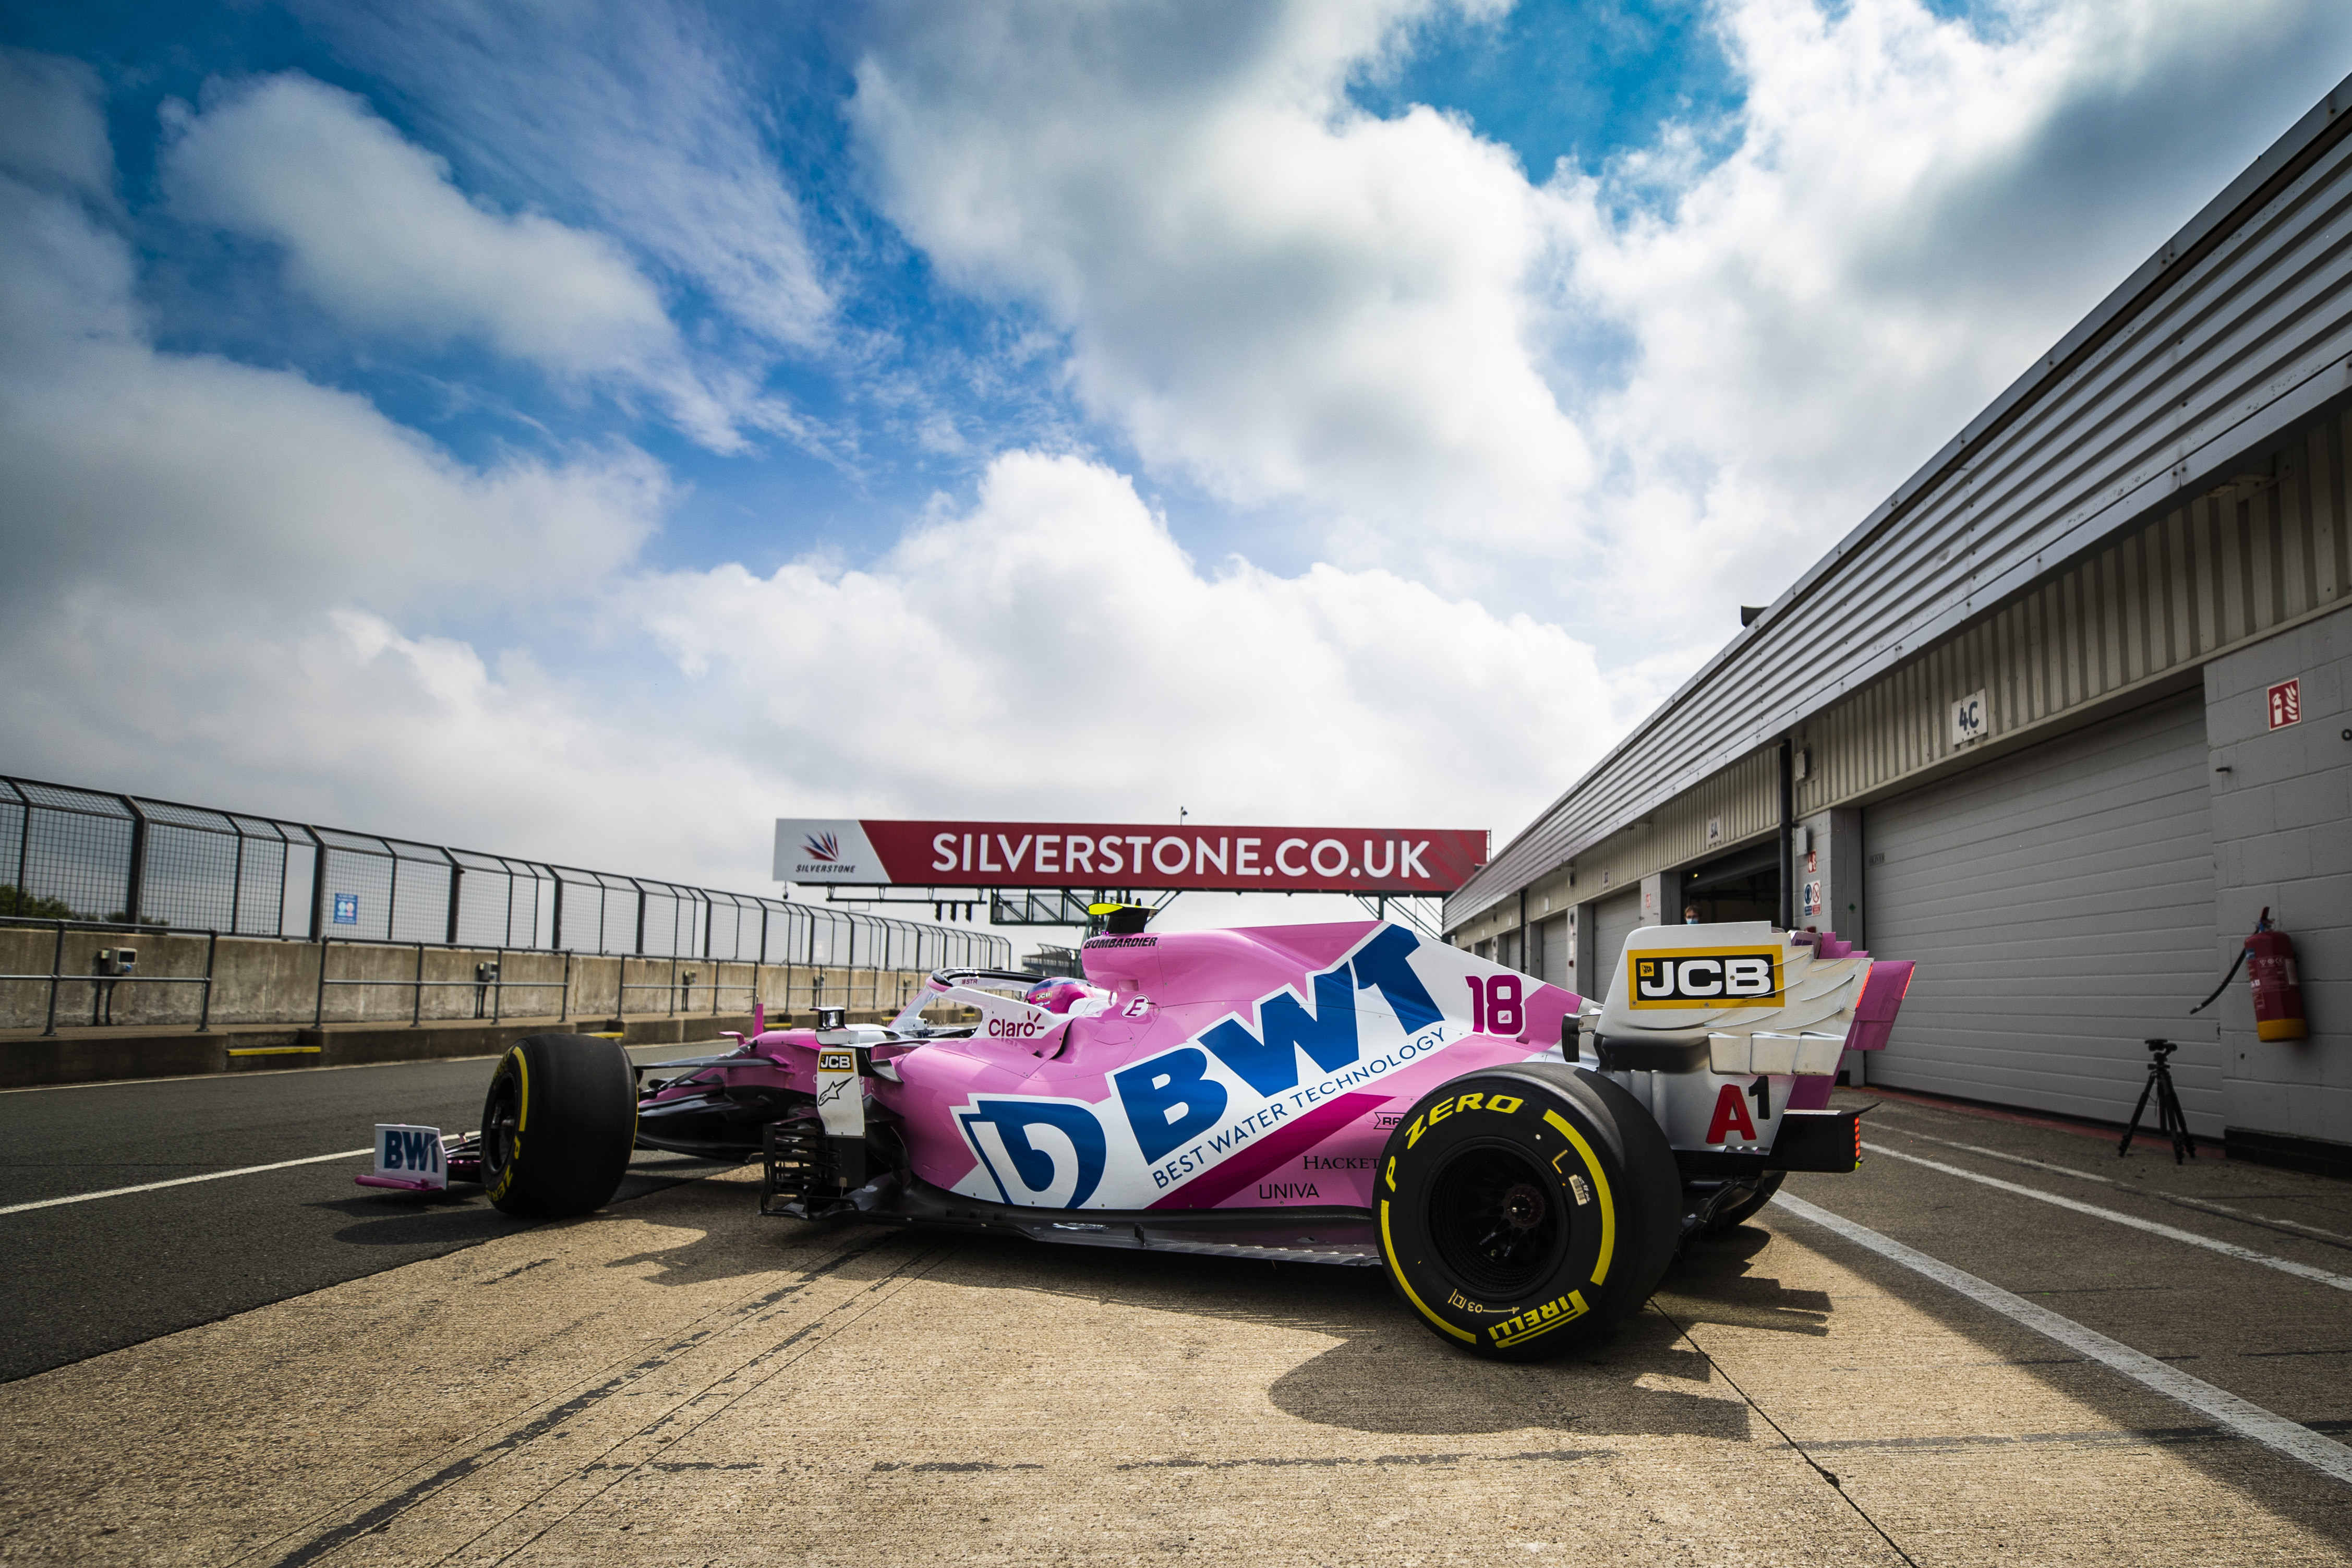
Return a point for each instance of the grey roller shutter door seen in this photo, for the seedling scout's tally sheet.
(1613, 919)
(1552, 956)
(2060, 905)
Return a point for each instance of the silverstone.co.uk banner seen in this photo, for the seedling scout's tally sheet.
(844, 850)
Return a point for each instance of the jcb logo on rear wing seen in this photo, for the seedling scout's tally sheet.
(1723, 977)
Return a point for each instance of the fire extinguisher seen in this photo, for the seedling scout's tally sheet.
(2278, 994)
(2278, 990)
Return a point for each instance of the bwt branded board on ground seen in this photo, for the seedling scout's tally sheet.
(849, 851)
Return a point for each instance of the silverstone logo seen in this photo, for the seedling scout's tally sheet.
(824, 849)
(824, 852)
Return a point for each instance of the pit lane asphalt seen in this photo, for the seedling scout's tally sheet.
(681, 1381)
(88, 1277)
(2282, 1341)
(678, 1380)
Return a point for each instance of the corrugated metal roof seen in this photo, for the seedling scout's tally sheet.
(2238, 326)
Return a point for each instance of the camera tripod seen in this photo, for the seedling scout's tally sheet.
(2168, 1116)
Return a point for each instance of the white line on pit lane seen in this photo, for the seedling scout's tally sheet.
(184, 1181)
(2332, 1238)
(2170, 1233)
(2248, 1420)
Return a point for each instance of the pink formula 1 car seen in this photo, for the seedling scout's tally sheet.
(1522, 1161)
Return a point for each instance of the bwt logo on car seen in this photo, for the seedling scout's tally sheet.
(410, 1151)
(1042, 1153)
(1184, 1120)
(1171, 1100)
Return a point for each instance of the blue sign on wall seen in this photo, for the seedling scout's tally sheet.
(347, 908)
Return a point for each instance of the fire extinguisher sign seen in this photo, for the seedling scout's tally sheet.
(2286, 704)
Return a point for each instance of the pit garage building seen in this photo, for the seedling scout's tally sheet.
(2058, 720)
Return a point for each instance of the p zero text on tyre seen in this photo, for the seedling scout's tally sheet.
(1523, 1208)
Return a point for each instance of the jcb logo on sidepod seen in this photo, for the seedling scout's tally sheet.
(1503, 1103)
(1726, 977)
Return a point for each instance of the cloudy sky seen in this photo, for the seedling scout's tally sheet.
(594, 430)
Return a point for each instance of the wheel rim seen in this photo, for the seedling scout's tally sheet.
(500, 1118)
(1496, 1219)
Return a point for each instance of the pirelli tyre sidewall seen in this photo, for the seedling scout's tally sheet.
(558, 1125)
(1522, 1209)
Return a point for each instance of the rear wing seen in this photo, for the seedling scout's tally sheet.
(1741, 998)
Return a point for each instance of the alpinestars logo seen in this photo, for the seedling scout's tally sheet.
(821, 846)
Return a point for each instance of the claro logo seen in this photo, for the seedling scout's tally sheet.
(1727, 977)
(1016, 1029)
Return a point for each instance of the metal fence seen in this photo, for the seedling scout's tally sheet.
(83, 855)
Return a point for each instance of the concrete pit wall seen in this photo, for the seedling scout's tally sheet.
(266, 981)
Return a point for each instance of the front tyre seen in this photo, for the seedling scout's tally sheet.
(1523, 1210)
(558, 1125)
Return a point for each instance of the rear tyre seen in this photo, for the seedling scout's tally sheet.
(1523, 1210)
(1749, 1206)
(558, 1125)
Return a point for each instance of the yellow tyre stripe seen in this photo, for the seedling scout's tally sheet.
(1600, 1190)
(522, 1114)
(1389, 1246)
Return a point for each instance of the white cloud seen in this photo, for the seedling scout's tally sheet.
(1387, 325)
(1913, 209)
(50, 127)
(633, 112)
(180, 529)
(1268, 289)
(373, 230)
(1054, 650)
(209, 565)
(124, 464)
(238, 586)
